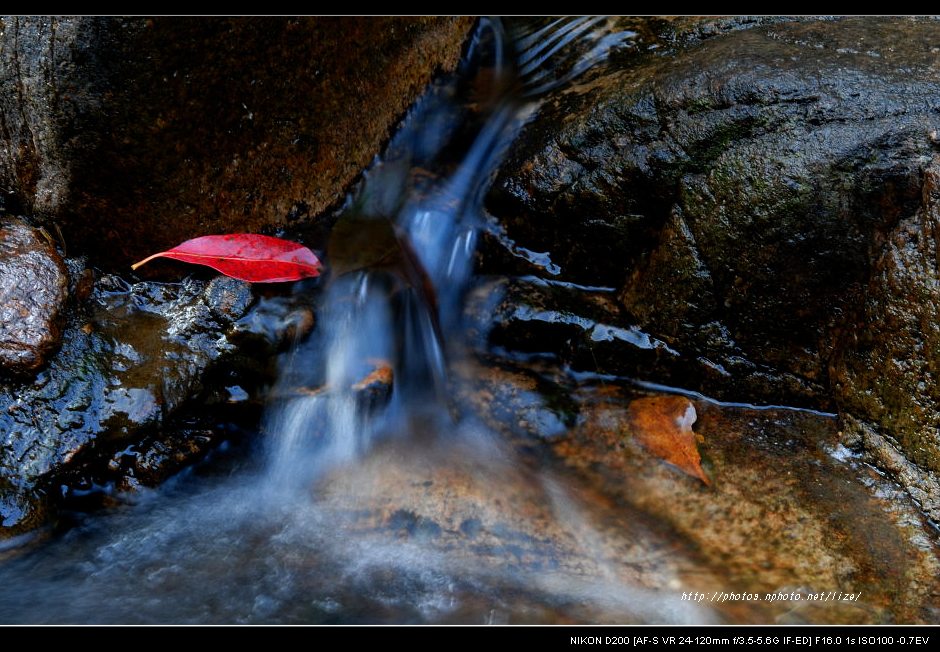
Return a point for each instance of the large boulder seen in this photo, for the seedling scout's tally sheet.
(134, 134)
(762, 202)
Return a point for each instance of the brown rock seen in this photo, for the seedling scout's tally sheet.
(790, 511)
(33, 290)
(135, 134)
(887, 372)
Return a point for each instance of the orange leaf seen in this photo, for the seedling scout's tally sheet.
(663, 425)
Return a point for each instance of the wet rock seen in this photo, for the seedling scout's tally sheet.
(375, 388)
(587, 330)
(474, 512)
(886, 377)
(760, 200)
(522, 402)
(588, 510)
(33, 290)
(156, 458)
(790, 510)
(137, 133)
(731, 190)
(130, 361)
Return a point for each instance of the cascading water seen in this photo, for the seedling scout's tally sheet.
(403, 250)
(363, 441)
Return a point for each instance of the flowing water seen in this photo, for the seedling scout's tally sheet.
(402, 255)
(378, 494)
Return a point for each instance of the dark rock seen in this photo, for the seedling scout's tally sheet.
(517, 401)
(156, 458)
(586, 329)
(375, 389)
(581, 326)
(33, 289)
(761, 200)
(130, 361)
(756, 187)
(137, 133)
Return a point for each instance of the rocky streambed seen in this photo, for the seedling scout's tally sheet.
(735, 213)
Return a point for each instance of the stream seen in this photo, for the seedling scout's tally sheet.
(405, 472)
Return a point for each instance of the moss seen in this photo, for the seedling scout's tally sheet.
(699, 105)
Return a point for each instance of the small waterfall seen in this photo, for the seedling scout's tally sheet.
(402, 251)
(327, 425)
(376, 501)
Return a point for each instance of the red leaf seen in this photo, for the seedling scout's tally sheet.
(247, 257)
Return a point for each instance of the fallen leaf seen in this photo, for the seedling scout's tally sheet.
(247, 257)
(663, 426)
